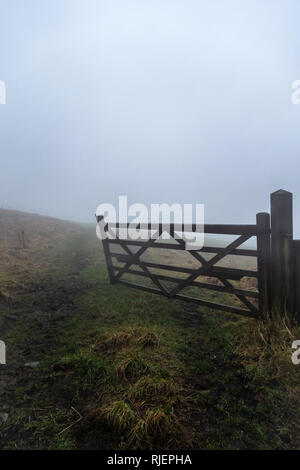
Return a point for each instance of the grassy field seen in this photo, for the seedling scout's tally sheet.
(98, 366)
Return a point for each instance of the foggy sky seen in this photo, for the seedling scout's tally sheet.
(164, 101)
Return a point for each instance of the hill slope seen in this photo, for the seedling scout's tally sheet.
(27, 242)
(93, 365)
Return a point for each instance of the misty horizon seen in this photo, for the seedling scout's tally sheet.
(174, 102)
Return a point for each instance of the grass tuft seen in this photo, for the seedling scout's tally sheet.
(132, 365)
(266, 346)
(118, 415)
(149, 388)
(160, 422)
(115, 340)
(148, 340)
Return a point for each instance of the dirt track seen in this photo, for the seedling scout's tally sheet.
(32, 322)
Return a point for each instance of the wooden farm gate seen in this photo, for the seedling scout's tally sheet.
(277, 255)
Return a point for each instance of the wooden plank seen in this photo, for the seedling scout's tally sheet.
(108, 261)
(152, 290)
(154, 279)
(226, 283)
(226, 308)
(229, 273)
(203, 285)
(240, 296)
(107, 255)
(202, 270)
(281, 252)
(222, 229)
(176, 246)
(129, 261)
(296, 256)
(206, 303)
(263, 262)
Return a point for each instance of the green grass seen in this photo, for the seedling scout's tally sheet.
(130, 370)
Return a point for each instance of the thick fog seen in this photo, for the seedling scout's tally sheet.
(164, 101)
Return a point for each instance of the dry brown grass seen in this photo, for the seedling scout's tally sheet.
(148, 388)
(146, 408)
(267, 346)
(40, 234)
(112, 341)
(148, 340)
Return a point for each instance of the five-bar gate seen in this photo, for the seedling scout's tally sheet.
(277, 275)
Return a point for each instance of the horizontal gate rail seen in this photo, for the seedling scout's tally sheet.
(185, 298)
(230, 273)
(203, 285)
(222, 229)
(175, 246)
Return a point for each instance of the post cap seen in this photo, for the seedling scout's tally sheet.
(281, 191)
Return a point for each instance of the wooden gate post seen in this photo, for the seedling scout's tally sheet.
(282, 253)
(106, 250)
(263, 262)
(296, 258)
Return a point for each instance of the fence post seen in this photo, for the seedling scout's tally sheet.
(263, 261)
(296, 258)
(282, 252)
(106, 250)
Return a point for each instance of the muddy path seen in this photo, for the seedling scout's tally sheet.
(32, 321)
